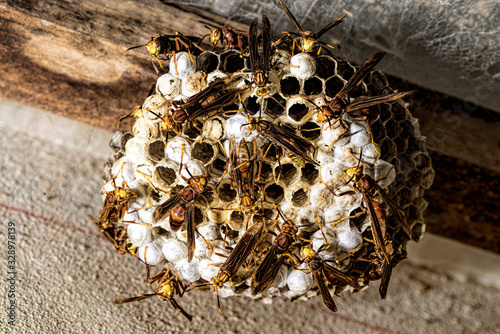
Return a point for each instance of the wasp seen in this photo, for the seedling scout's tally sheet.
(243, 170)
(228, 37)
(323, 274)
(168, 45)
(168, 286)
(379, 268)
(297, 148)
(368, 188)
(307, 41)
(181, 207)
(115, 205)
(247, 243)
(219, 94)
(117, 236)
(260, 61)
(271, 264)
(333, 111)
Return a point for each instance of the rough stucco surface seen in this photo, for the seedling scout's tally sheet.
(68, 275)
(448, 46)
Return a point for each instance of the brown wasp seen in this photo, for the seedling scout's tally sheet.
(243, 170)
(116, 235)
(219, 94)
(368, 188)
(323, 274)
(260, 61)
(307, 40)
(228, 37)
(275, 257)
(297, 148)
(115, 205)
(333, 111)
(380, 268)
(168, 45)
(239, 254)
(181, 207)
(166, 289)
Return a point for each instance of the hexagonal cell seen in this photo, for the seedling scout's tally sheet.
(405, 195)
(271, 156)
(165, 175)
(422, 162)
(428, 178)
(310, 131)
(266, 172)
(289, 85)
(231, 62)
(388, 149)
(225, 192)
(398, 112)
(309, 174)
(300, 197)
(124, 139)
(392, 128)
(205, 151)
(191, 131)
(274, 193)
(406, 129)
(297, 111)
(237, 221)
(286, 173)
(252, 105)
(214, 128)
(344, 69)
(217, 167)
(275, 106)
(378, 80)
(325, 67)
(378, 131)
(385, 112)
(333, 85)
(156, 149)
(313, 86)
(401, 145)
(207, 62)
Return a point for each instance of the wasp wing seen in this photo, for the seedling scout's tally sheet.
(253, 44)
(360, 73)
(396, 210)
(330, 26)
(323, 290)
(191, 227)
(164, 208)
(243, 248)
(266, 272)
(267, 41)
(369, 101)
(290, 15)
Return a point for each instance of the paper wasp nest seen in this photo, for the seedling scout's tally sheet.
(149, 163)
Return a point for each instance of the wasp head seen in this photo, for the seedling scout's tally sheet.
(307, 253)
(308, 41)
(215, 36)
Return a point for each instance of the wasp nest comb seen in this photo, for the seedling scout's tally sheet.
(267, 170)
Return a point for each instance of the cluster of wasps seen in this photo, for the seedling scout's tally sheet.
(243, 166)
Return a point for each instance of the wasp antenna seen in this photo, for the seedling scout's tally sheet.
(135, 47)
